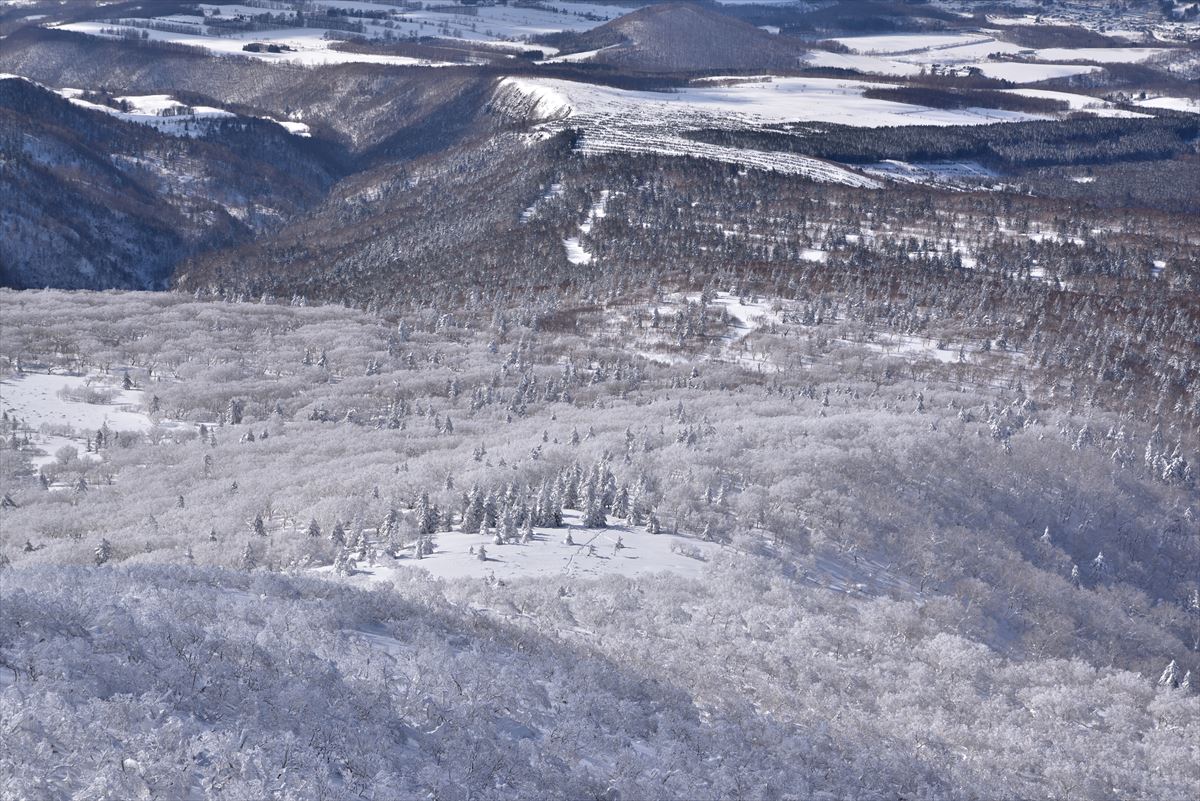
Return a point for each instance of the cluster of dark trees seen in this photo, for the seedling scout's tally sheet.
(966, 98)
(1007, 146)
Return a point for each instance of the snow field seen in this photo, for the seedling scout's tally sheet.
(748, 102)
(950, 174)
(1190, 104)
(593, 554)
(309, 46)
(576, 252)
(54, 421)
(907, 54)
(624, 121)
(164, 113)
(508, 27)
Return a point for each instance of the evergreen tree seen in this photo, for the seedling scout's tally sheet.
(570, 490)
(389, 530)
(593, 509)
(473, 511)
(491, 512)
(427, 517)
(1170, 676)
(508, 531)
(620, 506)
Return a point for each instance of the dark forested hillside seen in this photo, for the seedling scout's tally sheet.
(95, 202)
(681, 37)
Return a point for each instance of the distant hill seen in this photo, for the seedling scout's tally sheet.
(94, 202)
(681, 37)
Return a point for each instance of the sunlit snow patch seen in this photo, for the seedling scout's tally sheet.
(575, 251)
(592, 553)
(49, 408)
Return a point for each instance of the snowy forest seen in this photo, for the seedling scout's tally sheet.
(361, 523)
(600, 401)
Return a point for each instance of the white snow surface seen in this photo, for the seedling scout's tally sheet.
(1101, 55)
(964, 48)
(504, 26)
(872, 65)
(747, 103)
(161, 112)
(617, 120)
(164, 113)
(1191, 104)
(576, 253)
(1023, 72)
(955, 173)
(34, 398)
(1094, 105)
(593, 554)
(56, 421)
(886, 54)
(309, 46)
(912, 43)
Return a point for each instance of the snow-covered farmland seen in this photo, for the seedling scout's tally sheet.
(962, 48)
(1100, 55)
(871, 65)
(1021, 72)
(1029, 72)
(168, 115)
(749, 102)
(915, 43)
(906, 54)
(1076, 102)
(505, 26)
(617, 120)
(306, 46)
(164, 113)
(1191, 104)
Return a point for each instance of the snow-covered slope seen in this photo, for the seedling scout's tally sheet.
(627, 121)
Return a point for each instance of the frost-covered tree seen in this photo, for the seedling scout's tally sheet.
(593, 507)
(1170, 676)
(473, 510)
